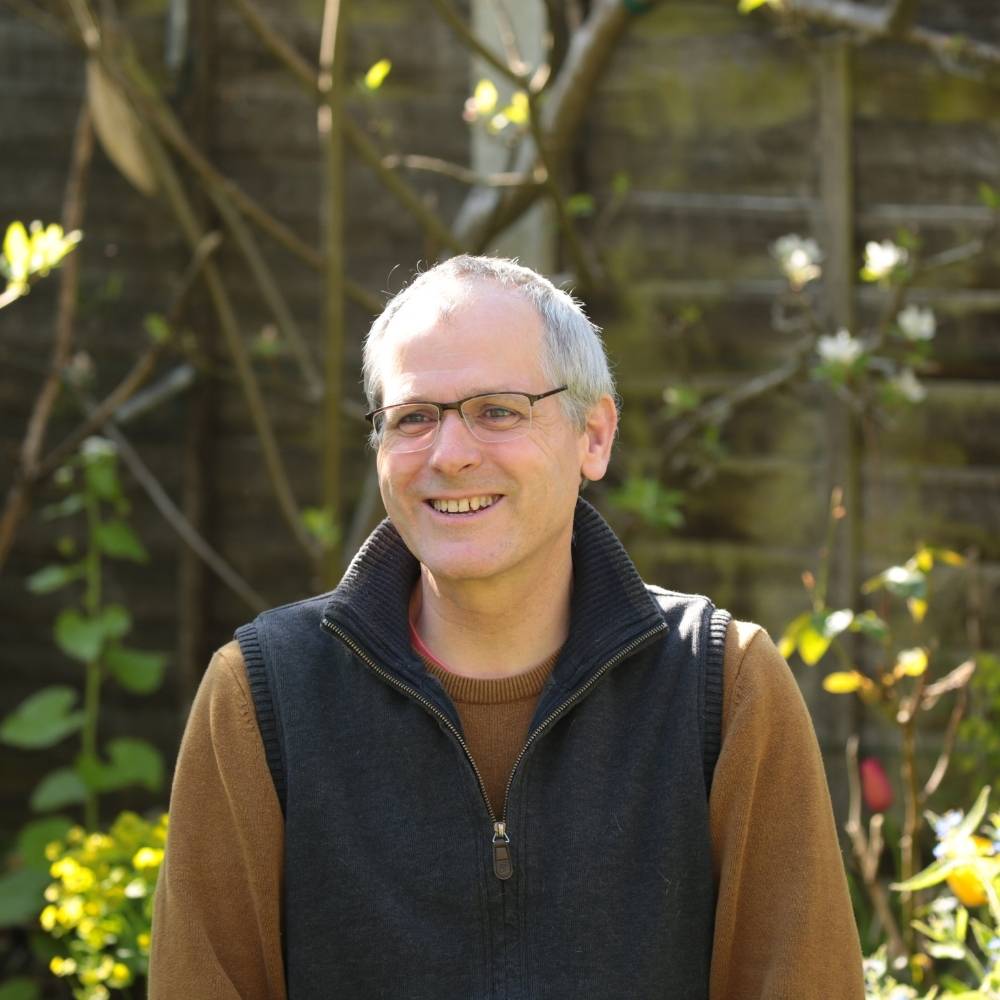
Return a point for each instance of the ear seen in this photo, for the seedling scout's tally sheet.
(597, 439)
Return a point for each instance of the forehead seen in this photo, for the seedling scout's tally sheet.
(459, 337)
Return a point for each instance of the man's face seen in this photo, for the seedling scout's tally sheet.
(489, 340)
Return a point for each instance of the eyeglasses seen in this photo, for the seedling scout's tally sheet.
(490, 417)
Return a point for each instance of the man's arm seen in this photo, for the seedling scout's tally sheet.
(216, 920)
(784, 929)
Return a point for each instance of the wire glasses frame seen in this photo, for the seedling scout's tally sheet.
(489, 417)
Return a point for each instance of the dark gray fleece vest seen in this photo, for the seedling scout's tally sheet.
(594, 882)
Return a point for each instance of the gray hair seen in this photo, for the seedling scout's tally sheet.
(572, 350)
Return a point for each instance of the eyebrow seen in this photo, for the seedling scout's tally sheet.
(473, 392)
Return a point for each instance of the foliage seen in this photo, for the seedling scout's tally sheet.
(92, 632)
(100, 907)
(32, 253)
(960, 926)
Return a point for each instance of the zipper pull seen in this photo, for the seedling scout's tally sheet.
(503, 868)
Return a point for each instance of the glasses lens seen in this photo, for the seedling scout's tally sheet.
(408, 426)
(499, 415)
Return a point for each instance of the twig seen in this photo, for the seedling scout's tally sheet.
(74, 206)
(901, 17)
(950, 735)
(141, 370)
(875, 22)
(867, 852)
(508, 36)
(486, 211)
(458, 24)
(173, 515)
(354, 134)
(719, 408)
(270, 289)
(584, 269)
(329, 119)
(462, 173)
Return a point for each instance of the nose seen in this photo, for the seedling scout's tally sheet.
(454, 449)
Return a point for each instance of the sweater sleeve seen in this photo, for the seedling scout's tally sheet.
(784, 927)
(216, 921)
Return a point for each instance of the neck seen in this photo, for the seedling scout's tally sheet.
(481, 630)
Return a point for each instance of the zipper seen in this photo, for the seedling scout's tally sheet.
(503, 866)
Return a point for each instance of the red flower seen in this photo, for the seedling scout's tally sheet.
(875, 786)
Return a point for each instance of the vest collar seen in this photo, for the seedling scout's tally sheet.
(610, 606)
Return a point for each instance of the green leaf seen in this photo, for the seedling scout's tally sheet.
(50, 578)
(102, 477)
(79, 637)
(66, 507)
(974, 817)
(115, 621)
(989, 196)
(157, 328)
(131, 762)
(377, 73)
(983, 934)
(902, 581)
(961, 923)
(20, 988)
(948, 950)
(36, 835)
(620, 184)
(57, 789)
(933, 874)
(580, 205)
(870, 624)
(116, 538)
(21, 896)
(42, 720)
(136, 670)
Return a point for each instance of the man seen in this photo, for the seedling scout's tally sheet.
(493, 763)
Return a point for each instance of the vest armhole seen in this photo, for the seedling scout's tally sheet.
(260, 691)
(712, 705)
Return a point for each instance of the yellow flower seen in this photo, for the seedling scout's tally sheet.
(60, 966)
(147, 858)
(47, 918)
(965, 882)
(121, 976)
(143, 940)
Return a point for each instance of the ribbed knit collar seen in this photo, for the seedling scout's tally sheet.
(610, 606)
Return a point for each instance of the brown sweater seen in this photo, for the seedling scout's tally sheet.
(784, 928)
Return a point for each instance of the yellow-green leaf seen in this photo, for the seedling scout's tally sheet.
(911, 662)
(485, 97)
(789, 640)
(746, 6)
(518, 110)
(17, 253)
(376, 75)
(918, 608)
(843, 681)
(812, 645)
(925, 560)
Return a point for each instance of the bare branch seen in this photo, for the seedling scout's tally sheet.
(270, 289)
(487, 210)
(875, 22)
(458, 24)
(462, 173)
(74, 202)
(901, 16)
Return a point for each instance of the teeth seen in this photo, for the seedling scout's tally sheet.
(464, 505)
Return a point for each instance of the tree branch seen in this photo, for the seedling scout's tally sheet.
(74, 205)
(487, 210)
(466, 175)
(355, 135)
(875, 22)
(472, 42)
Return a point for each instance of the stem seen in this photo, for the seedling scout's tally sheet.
(329, 121)
(909, 851)
(92, 691)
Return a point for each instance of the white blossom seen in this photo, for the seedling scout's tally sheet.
(798, 257)
(841, 349)
(908, 386)
(881, 259)
(916, 323)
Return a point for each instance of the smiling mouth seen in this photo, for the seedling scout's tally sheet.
(466, 505)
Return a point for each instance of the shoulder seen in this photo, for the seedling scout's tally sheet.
(756, 678)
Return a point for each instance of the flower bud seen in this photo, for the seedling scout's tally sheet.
(875, 786)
